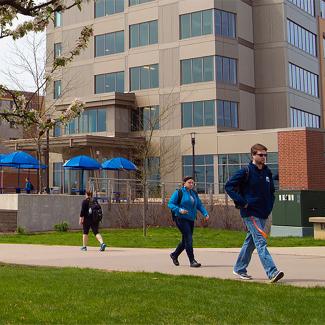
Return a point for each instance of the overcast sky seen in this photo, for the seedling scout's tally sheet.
(7, 61)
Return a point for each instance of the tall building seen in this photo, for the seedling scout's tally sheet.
(229, 72)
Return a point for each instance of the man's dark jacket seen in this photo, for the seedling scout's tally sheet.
(256, 190)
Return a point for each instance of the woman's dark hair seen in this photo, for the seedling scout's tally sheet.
(89, 193)
(186, 178)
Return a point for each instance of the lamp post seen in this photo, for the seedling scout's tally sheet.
(193, 154)
(47, 158)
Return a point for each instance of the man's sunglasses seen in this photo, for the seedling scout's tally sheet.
(261, 154)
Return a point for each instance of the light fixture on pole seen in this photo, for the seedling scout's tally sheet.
(193, 154)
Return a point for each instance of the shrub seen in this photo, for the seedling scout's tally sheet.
(62, 227)
(21, 230)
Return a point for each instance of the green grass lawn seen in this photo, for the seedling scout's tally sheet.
(156, 238)
(39, 295)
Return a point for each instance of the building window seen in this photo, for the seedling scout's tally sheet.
(144, 34)
(195, 114)
(301, 38)
(196, 24)
(57, 89)
(197, 70)
(303, 80)
(90, 120)
(144, 77)
(137, 2)
(202, 23)
(300, 118)
(108, 7)
(225, 23)
(204, 172)
(145, 118)
(153, 170)
(226, 70)
(57, 131)
(109, 82)
(202, 70)
(58, 19)
(229, 164)
(111, 43)
(57, 168)
(306, 5)
(227, 113)
(57, 50)
(322, 8)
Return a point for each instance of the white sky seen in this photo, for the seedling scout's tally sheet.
(7, 62)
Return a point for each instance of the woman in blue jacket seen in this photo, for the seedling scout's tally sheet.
(184, 211)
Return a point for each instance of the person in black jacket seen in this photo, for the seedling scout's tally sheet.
(252, 190)
(87, 222)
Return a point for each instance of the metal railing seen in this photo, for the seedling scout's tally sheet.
(132, 191)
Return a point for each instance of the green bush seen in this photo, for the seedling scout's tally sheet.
(63, 226)
(21, 230)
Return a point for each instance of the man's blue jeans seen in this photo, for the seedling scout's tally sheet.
(186, 227)
(255, 239)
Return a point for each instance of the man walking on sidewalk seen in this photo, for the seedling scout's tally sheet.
(252, 190)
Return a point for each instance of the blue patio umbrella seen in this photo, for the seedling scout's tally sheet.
(20, 160)
(119, 163)
(82, 163)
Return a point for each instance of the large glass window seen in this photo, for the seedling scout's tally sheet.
(229, 164)
(300, 118)
(137, 2)
(110, 82)
(57, 89)
(58, 19)
(144, 77)
(201, 113)
(301, 38)
(108, 7)
(227, 113)
(90, 120)
(57, 50)
(203, 69)
(57, 167)
(201, 23)
(144, 34)
(226, 70)
(204, 171)
(306, 5)
(303, 80)
(197, 70)
(145, 118)
(111, 43)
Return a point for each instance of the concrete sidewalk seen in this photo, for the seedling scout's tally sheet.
(303, 266)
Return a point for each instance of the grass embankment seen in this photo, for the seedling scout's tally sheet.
(156, 238)
(82, 296)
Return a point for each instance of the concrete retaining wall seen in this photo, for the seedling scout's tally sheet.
(41, 212)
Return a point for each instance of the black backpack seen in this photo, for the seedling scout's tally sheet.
(95, 210)
(179, 200)
(31, 186)
(239, 188)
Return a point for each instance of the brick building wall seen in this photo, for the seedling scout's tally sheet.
(301, 159)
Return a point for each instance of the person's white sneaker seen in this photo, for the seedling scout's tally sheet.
(243, 276)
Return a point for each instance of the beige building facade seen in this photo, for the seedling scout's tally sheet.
(231, 72)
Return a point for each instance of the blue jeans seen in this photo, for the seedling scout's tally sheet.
(255, 239)
(186, 227)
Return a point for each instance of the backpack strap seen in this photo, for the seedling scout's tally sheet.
(247, 173)
(180, 196)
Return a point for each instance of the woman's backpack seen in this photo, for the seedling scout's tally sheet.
(95, 210)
